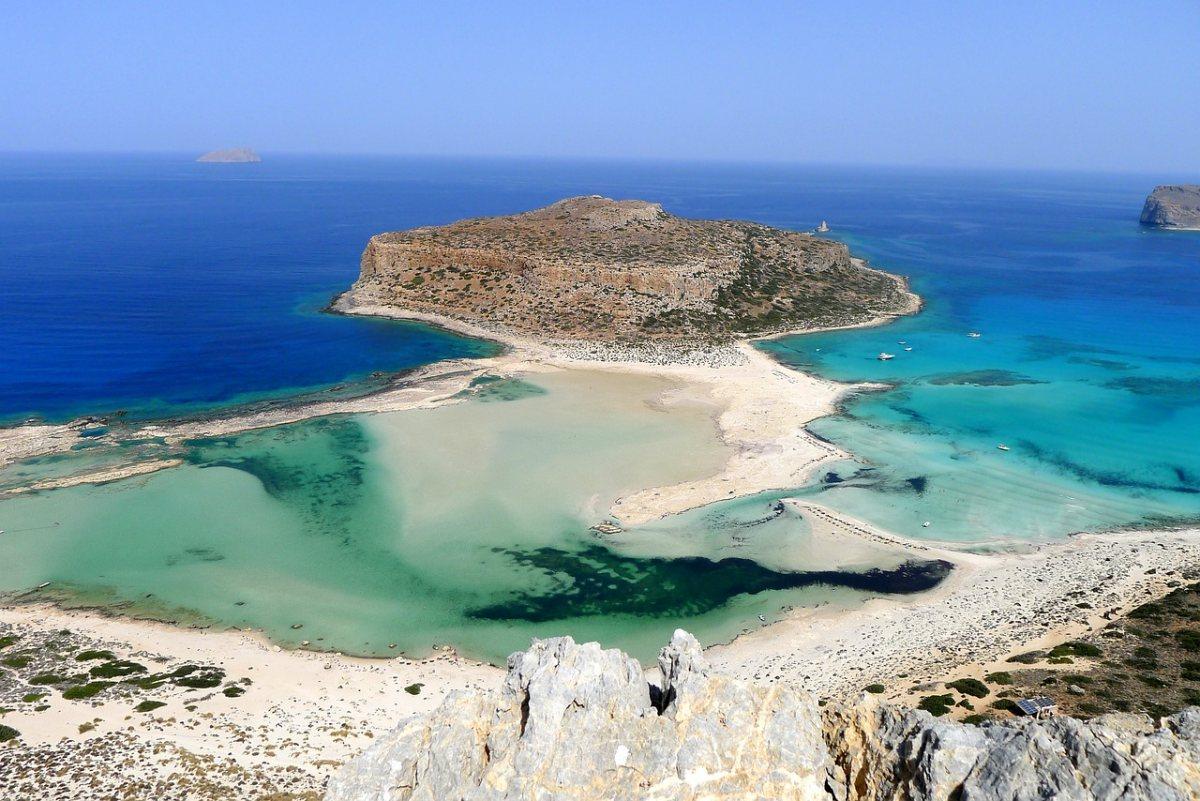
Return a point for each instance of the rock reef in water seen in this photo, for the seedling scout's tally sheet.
(235, 155)
(577, 722)
(1176, 206)
(596, 269)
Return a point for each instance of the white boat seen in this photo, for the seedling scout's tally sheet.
(974, 335)
(908, 347)
(883, 357)
(926, 524)
(823, 227)
(1002, 447)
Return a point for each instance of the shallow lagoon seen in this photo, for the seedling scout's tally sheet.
(467, 524)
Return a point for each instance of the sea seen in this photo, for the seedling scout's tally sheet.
(1050, 385)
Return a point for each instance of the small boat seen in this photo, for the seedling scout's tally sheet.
(974, 335)
(762, 618)
(1003, 447)
(883, 357)
(901, 341)
(43, 585)
(908, 347)
(823, 227)
(926, 524)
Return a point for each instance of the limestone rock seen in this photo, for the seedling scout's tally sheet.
(574, 722)
(1176, 206)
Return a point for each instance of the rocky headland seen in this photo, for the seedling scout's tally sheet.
(576, 722)
(1173, 206)
(593, 269)
(234, 155)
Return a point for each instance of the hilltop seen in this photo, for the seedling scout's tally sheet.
(575, 722)
(592, 268)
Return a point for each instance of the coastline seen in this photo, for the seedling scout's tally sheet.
(992, 605)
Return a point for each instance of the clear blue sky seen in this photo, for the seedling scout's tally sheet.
(1080, 85)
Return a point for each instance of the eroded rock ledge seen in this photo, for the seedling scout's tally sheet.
(576, 722)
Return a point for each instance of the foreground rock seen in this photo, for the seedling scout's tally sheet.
(235, 155)
(595, 269)
(576, 722)
(1176, 206)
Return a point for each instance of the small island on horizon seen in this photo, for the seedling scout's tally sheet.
(233, 155)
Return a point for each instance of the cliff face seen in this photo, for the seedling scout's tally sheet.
(575, 722)
(1173, 207)
(600, 269)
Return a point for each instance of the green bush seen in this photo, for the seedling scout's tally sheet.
(972, 687)
(201, 679)
(414, 689)
(1075, 648)
(936, 705)
(874, 688)
(86, 656)
(1025, 659)
(48, 678)
(1006, 705)
(88, 690)
(149, 706)
(19, 661)
(975, 719)
(999, 677)
(117, 668)
(1188, 639)
(233, 691)
(8, 733)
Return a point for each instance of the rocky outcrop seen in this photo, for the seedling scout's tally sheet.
(235, 155)
(592, 268)
(1176, 206)
(577, 722)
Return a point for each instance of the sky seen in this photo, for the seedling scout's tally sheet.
(1098, 85)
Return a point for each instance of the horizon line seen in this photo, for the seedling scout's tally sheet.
(193, 154)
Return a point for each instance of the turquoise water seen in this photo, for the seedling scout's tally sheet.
(1087, 367)
(390, 533)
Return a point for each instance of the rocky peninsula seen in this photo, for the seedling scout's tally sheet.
(593, 269)
(576, 722)
(234, 155)
(1173, 206)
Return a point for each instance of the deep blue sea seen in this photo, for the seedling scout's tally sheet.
(161, 286)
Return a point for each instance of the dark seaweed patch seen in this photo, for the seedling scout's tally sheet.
(1104, 478)
(597, 581)
(1176, 391)
(1045, 347)
(983, 378)
(496, 389)
(1103, 364)
(324, 491)
(918, 483)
